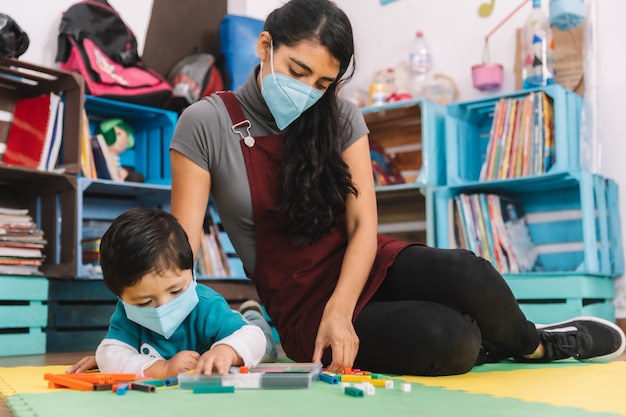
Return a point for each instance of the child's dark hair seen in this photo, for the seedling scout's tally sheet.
(142, 241)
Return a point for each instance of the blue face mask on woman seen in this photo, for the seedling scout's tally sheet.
(165, 318)
(286, 97)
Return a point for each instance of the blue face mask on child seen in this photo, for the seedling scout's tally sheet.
(286, 97)
(165, 318)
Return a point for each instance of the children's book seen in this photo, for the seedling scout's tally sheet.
(55, 141)
(385, 170)
(31, 132)
(548, 126)
(103, 159)
(518, 234)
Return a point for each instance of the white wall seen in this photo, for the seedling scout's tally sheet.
(455, 31)
(40, 20)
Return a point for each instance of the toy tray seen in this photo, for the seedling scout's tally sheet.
(263, 376)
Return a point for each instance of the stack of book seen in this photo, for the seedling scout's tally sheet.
(495, 228)
(521, 139)
(21, 243)
(212, 259)
(90, 245)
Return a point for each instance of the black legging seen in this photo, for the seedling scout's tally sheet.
(433, 312)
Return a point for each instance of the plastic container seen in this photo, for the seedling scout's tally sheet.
(537, 49)
(420, 65)
(487, 76)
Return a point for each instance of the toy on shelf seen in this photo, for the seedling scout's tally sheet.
(119, 137)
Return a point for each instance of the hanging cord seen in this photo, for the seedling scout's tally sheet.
(498, 26)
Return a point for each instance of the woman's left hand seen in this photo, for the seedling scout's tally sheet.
(337, 332)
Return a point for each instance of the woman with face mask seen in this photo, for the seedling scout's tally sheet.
(287, 163)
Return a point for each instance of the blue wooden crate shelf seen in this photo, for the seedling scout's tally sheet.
(468, 126)
(23, 315)
(152, 129)
(78, 314)
(99, 202)
(573, 219)
(412, 132)
(549, 299)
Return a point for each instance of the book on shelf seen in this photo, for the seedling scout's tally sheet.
(386, 172)
(548, 123)
(104, 161)
(16, 252)
(21, 243)
(521, 155)
(507, 140)
(488, 239)
(34, 132)
(460, 231)
(219, 237)
(212, 259)
(521, 244)
(87, 163)
(528, 135)
(521, 138)
(56, 140)
(473, 238)
(493, 227)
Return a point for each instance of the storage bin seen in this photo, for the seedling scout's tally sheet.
(78, 315)
(550, 299)
(23, 315)
(468, 126)
(19, 79)
(152, 129)
(573, 219)
(99, 202)
(412, 133)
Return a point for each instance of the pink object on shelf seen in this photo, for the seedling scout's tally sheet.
(487, 76)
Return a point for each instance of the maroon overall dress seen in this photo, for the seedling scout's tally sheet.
(294, 282)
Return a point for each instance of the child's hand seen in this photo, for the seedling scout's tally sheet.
(83, 365)
(220, 358)
(183, 361)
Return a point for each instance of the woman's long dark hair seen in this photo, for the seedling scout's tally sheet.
(316, 180)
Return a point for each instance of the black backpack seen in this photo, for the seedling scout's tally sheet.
(95, 42)
(13, 40)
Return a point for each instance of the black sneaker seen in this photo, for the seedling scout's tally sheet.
(588, 339)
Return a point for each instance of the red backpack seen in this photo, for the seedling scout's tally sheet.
(95, 42)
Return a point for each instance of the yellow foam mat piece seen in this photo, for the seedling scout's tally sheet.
(595, 387)
(27, 379)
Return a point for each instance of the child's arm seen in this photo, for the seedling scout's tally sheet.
(114, 356)
(245, 346)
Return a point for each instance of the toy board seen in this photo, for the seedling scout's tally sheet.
(263, 376)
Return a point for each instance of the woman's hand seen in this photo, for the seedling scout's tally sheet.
(337, 332)
(83, 365)
(220, 359)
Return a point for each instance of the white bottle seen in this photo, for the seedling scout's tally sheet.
(420, 64)
(537, 49)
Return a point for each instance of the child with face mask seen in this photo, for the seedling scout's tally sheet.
(165, 323)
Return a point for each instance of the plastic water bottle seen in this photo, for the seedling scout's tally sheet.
(537, 49)
(420, 64)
